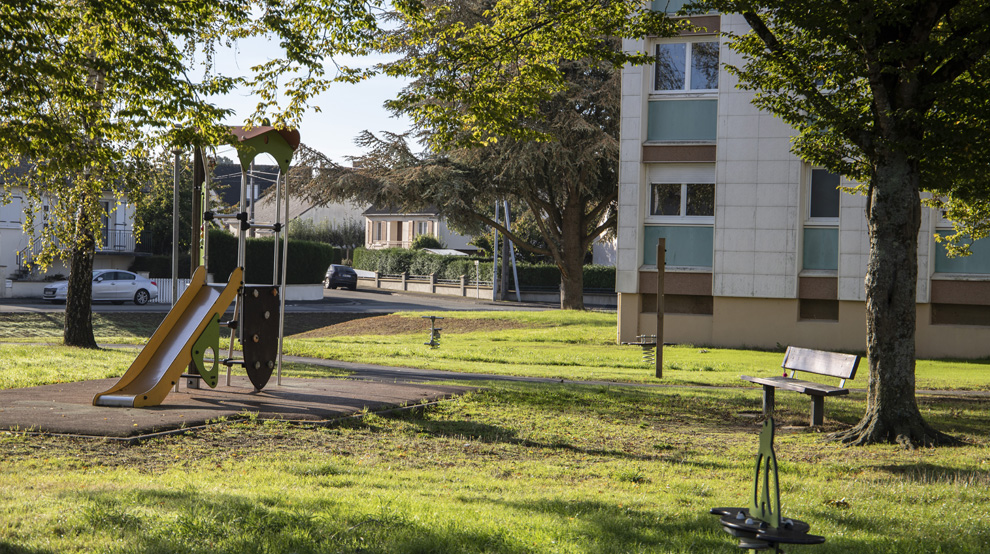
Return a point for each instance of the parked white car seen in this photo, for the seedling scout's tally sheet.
(111, 285)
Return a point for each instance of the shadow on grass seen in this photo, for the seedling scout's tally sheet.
(930, 474)
(154, 521)
(166, 520)
(11, 548)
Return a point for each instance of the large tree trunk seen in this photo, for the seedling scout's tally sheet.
(571, 257)
(894, 221)
(78, 329)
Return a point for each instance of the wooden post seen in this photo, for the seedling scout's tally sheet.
(661, 263)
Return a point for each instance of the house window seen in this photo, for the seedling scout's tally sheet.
(378, 230)
(684, 201)
(13, 211)
(422, 227)
(686, 66)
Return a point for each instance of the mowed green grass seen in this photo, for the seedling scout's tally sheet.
(512, 468)
(582, 346)
(515, 468)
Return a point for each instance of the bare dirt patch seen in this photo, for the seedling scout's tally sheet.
(396, 325)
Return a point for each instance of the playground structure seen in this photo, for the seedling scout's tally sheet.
(192, 327)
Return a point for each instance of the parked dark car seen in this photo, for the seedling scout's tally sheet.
(110, 284)
(340, 276)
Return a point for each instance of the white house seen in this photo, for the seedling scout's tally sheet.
(387, 227)
(116, 245)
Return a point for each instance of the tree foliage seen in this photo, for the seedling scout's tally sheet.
(516, 100)
(568, 183)
(91, 93)
(482, 68)
(892, 94)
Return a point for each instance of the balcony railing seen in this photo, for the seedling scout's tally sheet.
(119, 240)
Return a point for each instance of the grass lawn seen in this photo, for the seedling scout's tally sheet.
(514, 468)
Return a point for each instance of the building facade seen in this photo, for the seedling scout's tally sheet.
(762, 249)
(386, 227)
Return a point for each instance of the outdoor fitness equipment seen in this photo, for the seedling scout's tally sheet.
(761, 526)
(434, 331)
(192, 326)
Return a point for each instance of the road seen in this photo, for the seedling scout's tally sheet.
(341, 301)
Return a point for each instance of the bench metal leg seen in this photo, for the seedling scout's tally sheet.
(768, 400)
(817, 410)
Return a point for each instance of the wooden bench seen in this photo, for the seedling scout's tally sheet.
(818, 362)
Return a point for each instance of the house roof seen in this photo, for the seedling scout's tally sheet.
(392, 210)
(227, 181)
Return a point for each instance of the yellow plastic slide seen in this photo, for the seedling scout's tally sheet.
(168, 353)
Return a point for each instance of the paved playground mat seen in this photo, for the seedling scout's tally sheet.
(67, 408)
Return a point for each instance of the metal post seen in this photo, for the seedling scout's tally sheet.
(285, 268)
(278, 219)
(205, 229)
(196, 225)
(252, 196)
(241, 254)
(175, 227)
(512, 250)
(495, 259)
(661, 266)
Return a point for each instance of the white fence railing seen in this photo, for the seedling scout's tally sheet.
(165, 289)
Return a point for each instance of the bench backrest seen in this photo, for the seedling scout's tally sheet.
(821, 362)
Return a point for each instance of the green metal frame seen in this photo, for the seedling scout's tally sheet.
(209, 338)
(765, 505)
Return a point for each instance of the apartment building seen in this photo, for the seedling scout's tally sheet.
(762, 249)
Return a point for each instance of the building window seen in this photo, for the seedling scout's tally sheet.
(378, 230)
(821, 226)
(694, 200)
(824, 198)
(686, 66)
(422, 228)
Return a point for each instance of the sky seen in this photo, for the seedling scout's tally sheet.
(346, 109)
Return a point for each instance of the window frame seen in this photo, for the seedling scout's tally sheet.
(682, 218)
(689, 43)
(810, 221)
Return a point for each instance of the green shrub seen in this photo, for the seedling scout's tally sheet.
(308, 261)
(394, 261)
(426, 241)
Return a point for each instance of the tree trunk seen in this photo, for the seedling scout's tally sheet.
(78, 329)
(894, 221)
(571, 257)
(572, 282)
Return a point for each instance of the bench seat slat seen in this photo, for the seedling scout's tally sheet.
(797, 385)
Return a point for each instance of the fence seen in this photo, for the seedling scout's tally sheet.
(165, 290)
(481, 290)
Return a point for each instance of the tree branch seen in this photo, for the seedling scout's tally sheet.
(806, 89)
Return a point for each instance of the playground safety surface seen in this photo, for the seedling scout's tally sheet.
(67, 408)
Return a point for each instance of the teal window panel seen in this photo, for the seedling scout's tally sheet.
(667, 6)
(670, 120)
(689, 246)
(976, 263)
(821, 248)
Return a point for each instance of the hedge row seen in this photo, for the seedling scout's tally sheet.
(308, 261)
(394, 261)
